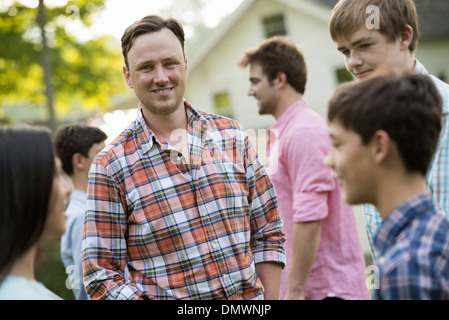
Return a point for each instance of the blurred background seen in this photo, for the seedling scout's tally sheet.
(61, 62)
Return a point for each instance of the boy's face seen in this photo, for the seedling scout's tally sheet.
(352, 164)
(368, 54)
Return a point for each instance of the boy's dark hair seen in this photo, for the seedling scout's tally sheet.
(149, 24)
(73, 139)
(279, 54)
(407, 107)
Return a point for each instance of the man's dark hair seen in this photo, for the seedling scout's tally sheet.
(73, 139)
(279, 54)
(149, 24)
(407, 107)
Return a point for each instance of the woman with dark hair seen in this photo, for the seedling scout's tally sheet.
(33, 197)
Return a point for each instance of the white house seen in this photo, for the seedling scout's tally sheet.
(216, 84)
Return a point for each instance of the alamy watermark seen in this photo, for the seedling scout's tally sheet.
(373, 21)
(225, 147)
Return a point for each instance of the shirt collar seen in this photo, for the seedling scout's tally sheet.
(392, 226)
(197, 124)
(419, 68)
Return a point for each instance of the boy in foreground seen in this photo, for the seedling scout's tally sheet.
(384, 133)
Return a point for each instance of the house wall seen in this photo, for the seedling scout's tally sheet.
(434, 54)
(219, 71)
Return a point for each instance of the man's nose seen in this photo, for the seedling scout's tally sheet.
(161, 76)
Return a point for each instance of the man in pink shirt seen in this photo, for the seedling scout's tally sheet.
(324, 256)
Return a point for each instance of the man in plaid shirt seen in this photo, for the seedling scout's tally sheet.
(180, 197)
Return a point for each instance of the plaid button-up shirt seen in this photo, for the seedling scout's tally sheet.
(412, 246)
(183, 231)
(438, 175)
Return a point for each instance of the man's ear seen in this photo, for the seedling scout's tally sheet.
(381, 144)
(127, 76)
(281, 79)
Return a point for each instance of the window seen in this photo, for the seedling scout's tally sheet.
(274, 26)
(223, 106)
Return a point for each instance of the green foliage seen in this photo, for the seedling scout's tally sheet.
(84, 74)
(50, 270)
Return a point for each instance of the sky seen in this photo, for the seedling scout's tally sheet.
(119, 14)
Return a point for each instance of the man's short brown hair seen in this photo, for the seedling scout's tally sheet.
(279, 54)
(148, 24)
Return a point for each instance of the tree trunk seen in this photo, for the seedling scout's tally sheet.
(46, 65)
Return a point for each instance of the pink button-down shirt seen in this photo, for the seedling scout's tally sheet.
(308, 191)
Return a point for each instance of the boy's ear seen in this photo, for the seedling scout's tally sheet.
(406, 37)
(381, 146)
(78, 161)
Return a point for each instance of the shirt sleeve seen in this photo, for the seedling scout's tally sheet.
(104, 245)
(438, 176)
(267, 237)
(310, 178)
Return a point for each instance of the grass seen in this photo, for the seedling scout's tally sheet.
(50, 271)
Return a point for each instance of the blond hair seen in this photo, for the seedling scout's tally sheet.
(394, 16)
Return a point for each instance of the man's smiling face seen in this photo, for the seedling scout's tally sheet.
(157, 71)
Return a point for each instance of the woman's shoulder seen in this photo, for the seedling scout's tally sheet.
(19, 288)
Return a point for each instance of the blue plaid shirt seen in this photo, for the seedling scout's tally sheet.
(438, 175)
(412, 246)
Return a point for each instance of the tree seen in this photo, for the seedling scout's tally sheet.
(78, 75)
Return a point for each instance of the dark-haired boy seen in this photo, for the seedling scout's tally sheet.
(76, 146)
(385, 132)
